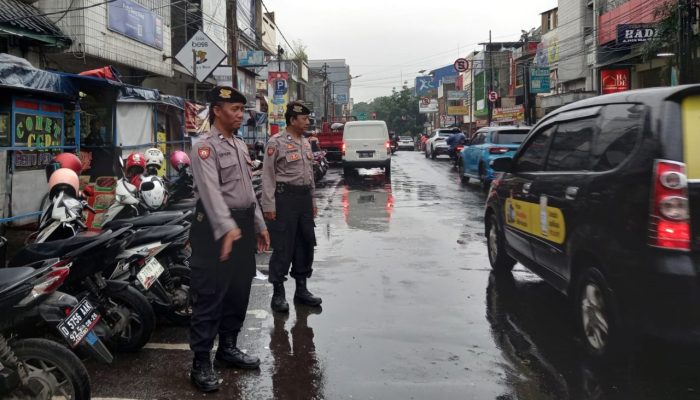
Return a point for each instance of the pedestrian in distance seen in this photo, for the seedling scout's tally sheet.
(223, 239)
(290, 208)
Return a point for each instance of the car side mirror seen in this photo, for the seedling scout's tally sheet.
(502, 164)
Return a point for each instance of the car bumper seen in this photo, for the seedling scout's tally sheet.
(441, 150)
(406, 146)
(367, 163)
(666, 302)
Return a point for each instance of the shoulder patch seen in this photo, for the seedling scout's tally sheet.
(271, 150)
(204, 152)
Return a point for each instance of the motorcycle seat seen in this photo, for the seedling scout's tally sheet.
(9, 277)
(157, 234)
(147, 220)
(184, 204)
(55, 249)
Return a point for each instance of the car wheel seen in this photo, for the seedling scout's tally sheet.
(460, 171)
(432, 153)
(596, 306)
(500, 261)
(485, 182)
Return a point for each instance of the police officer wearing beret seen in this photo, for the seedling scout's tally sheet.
(223, 239)
(289, 207)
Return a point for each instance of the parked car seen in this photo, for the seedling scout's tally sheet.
(602, 201)
(366, 145)
(487, 144)
(406, 143)
(436, 146)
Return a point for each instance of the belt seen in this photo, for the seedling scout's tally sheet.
(244, 210)
(292, 189)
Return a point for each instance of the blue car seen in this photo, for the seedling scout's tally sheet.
(488, 144)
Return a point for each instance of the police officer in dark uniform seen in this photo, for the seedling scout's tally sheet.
(223, 238)
(289, 207)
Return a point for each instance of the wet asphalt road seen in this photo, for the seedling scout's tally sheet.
(410, 311)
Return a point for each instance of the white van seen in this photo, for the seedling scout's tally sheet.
(366, 145)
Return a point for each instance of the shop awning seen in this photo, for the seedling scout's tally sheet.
(18, 73)
(26, 21)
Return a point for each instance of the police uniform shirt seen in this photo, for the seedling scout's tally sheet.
(286, 161)
(223, 178)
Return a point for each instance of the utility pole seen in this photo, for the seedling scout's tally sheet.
(685, 41)
(489, 103)
(526, 80)
(325, 92)
(232, 24)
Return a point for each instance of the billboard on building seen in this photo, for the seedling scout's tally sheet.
(214, 22)
(539, 80)
(278, 95)
(425, 84)
(427, 105)
(614, 80)
(134, 21)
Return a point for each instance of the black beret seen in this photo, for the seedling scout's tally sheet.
(297, 108)
(225, 94)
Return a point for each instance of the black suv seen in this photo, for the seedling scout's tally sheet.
(602, 201)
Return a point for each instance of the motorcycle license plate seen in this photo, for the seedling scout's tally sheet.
(150, 272)
(79, 323)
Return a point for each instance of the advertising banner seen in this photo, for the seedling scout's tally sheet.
(614, 80)
(134, 21)
(539, 80)
(201, 53)
(635, 33)
(457, 110)
(509, 114)
(425, 84)
(251, 58)
(278, 95)
(457, 95)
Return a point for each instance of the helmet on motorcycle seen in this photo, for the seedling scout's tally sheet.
(135, 164)
(154, 157)
(179, 159)
(64, 160)
(152, 192)
(64, 180)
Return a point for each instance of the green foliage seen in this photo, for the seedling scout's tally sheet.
(666, 31)
(300, 51)
(400, 111)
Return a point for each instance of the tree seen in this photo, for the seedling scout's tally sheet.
(400, 111)
(299, 49)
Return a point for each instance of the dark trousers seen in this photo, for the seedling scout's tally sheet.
(292, 236)
(220, 290)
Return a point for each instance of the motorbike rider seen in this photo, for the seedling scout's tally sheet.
(456, 138)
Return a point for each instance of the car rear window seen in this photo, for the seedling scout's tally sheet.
(365, 132)
(515, 136)
(445, 133)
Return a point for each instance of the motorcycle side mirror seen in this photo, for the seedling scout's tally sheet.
(121, 162)
(146, 186)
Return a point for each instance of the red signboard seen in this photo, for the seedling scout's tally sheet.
(614, 80)
(629, 12)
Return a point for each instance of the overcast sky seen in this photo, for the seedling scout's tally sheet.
(387, 40)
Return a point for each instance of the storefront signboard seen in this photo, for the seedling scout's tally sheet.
(134, 21)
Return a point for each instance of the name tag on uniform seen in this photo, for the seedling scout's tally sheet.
(293, 157)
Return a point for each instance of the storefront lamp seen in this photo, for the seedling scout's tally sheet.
(666, 55)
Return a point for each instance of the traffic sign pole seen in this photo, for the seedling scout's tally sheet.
(194, 74)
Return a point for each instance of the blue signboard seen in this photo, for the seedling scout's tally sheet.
(251, 58)
(136, 22)
(539, 80)
(341, 98)
(425, 84)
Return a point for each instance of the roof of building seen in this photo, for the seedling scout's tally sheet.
(24, 20)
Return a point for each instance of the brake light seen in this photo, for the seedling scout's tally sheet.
(387, 144)
(48, 284)
(498, 150)
(343, 148)
(459, 149)
(669, 223)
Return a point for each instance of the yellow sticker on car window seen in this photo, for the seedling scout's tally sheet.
(538, 219)
(691, 136)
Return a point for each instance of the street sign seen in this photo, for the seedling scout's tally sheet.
(341, 98)
(493, 96)
(539, 80)
(461, 65)
(374, 115)
(208, 55)
(425, 101)
(362, 116)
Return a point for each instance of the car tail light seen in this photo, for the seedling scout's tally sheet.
(459, 148)
(669, 223)
(48, 283)
(387, 144)
(342, 149)
(498, 150)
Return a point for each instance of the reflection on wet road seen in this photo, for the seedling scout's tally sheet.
(410, 311)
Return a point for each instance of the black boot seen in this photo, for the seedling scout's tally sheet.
(303, 296)
(228, 355)
(279, 302)
(203, 375)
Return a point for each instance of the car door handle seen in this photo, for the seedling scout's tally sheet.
(526, 187)
(571, 192)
